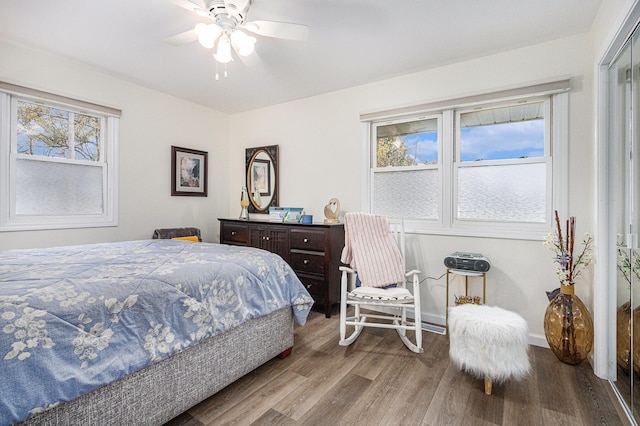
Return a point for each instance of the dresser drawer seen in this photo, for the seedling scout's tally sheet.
(238, 234)
(305, 261)
(316, 287)
(307, 239)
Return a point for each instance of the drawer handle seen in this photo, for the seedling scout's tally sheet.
(306, 261)
(306, 240)
(265, 238)
(233, 233)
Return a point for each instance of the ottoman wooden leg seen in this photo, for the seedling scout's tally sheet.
(487, 385)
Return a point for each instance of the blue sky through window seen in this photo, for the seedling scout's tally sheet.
(493, 142)
(45, 132)
(423, 146)
(502, 141)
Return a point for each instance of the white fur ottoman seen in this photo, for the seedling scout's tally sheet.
(488, 342)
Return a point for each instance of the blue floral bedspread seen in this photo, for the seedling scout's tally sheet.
(75, 318)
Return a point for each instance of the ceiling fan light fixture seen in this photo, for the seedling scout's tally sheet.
(242, 43)
(207, 34)
(230, 31)
(223, 52)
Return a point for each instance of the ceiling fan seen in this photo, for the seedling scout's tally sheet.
(229, 28)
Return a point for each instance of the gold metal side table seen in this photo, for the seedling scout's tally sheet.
(466, 275)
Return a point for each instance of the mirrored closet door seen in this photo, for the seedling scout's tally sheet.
(624, 134)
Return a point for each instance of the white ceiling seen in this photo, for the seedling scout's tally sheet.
(351, 42)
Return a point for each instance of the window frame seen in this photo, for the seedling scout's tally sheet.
(545, 159)
(109, 134)
(373, 169)
(556, 142)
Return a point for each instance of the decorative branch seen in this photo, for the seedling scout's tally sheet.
(569, 267)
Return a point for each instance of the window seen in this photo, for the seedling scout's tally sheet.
(59, 164)
(502, 164)
(486, 169)
(406, 176)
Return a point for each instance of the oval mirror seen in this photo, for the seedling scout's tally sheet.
(262, 178)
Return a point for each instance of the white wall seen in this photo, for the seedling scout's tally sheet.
(321, 144)
(151, 122)
(609, 19)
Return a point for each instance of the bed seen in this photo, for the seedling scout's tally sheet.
(137, 332)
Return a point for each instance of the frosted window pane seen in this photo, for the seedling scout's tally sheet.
(408, 194)
(49, 188)
(509, 193)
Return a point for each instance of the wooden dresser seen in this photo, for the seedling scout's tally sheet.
(312, 250)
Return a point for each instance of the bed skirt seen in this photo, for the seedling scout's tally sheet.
(162, 391)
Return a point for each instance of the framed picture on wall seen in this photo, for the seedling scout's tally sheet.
(261, 176)
(188, 172)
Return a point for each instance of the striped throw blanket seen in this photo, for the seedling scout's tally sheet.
(371, 250)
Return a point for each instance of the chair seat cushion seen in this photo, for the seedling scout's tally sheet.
(397, 293)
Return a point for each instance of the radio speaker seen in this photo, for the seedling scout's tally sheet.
(467, 262)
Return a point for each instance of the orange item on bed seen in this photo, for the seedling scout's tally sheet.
(193, 238)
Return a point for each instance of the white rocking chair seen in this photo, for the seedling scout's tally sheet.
(390, 304)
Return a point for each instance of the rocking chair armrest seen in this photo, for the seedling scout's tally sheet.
(347, 269)
(412, 272)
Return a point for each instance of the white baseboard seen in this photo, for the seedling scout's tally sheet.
(436, 324)
(538, 340)
(432, 328)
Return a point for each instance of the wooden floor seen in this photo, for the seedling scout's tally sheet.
(377, 381)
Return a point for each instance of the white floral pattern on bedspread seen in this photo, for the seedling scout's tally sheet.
(75, 318)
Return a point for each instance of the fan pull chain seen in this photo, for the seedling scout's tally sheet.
(217, 73)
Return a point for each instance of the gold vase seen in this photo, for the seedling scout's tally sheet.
(623, 338)
(568, 327)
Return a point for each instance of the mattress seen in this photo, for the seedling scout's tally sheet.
(73, 319)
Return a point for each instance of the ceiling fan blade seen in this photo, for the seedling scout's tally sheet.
(235, 7)
(183, 38)
(284, 30)
(190, 5)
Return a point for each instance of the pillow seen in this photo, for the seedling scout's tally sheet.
(193, 238)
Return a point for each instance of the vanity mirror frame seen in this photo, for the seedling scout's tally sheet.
(262, 160)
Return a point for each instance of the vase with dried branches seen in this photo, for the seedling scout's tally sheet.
(628, 264)
(568, 326)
